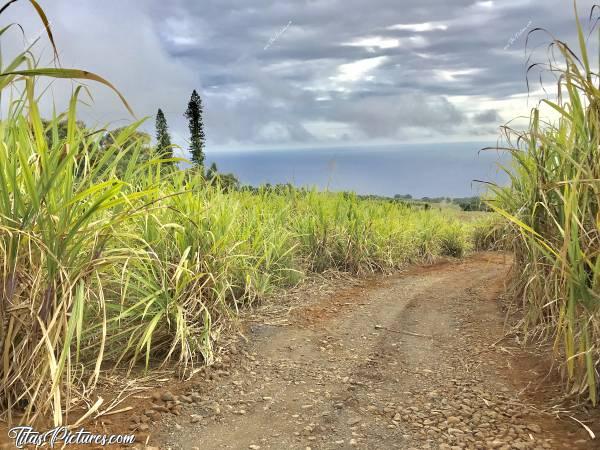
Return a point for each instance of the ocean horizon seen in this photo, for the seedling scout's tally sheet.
(421, 170)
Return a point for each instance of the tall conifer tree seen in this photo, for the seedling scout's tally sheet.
(163, 139)
(196, 126)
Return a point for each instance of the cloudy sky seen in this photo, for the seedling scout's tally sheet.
(291, 73)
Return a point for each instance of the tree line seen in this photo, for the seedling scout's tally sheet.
(194, 115)
(164, 145)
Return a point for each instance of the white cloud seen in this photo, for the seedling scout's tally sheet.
(358, 70)
(375, 41)
(274, 132)
(333, 130)
(181, 31)
(453, 75)
(182, 40)
(485, 4)
(419, 27)
(418, 41)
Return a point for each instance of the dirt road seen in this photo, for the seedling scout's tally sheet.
(416, 360)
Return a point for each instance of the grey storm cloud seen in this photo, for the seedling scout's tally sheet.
(489, 116)
(291, 72)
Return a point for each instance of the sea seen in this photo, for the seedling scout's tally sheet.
(420, 170)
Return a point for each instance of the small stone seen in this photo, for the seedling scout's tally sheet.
(534, 428)
(254, 447)
(160, 408)
(167, 397)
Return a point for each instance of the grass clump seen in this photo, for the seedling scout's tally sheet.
(552, 206)
(490, 233)
(453, 241)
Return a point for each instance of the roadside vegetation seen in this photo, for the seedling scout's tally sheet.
(112, 258)
(464, 203)
(552, 206)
